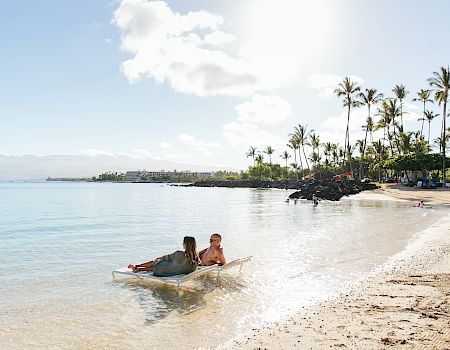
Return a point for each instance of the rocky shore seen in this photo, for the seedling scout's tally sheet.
(323, 189)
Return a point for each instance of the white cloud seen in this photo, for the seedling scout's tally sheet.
(411, 112)
(167, 47)
(218, 38)
(246, 130)
(332, 129)
(187, 50)
(265, 109)
(327, 83)
(165, 145)
(186, 138)
(92, 152)
(241, 134)
(208, 148)
(136, 153)
(139, 153)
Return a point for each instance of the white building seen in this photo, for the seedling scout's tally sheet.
(144, 175)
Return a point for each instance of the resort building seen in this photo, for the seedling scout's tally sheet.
(144, 175)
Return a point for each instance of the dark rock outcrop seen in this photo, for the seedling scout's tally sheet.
(323, 189)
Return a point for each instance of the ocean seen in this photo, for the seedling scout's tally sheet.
(59, 243)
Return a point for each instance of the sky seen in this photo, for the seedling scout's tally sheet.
(198, 82)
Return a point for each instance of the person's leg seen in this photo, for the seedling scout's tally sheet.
(147, 266)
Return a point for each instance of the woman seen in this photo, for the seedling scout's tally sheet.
(178, 263)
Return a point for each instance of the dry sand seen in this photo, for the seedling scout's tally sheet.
(437, 196)
(405, 305)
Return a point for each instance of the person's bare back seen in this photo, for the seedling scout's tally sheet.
(214, 253)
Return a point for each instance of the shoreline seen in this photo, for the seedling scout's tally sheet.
(404, 303)
(439, 197)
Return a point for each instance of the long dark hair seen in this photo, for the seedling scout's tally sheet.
(191, 249)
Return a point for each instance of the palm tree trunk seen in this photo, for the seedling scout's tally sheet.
(270, 166)
(423, 120)
(361, 163)
(349, 157)
(295, 162)
(401, 112)
(306, 159)
(429, 126)
(364, 148)
(287, 176)
(444, 183)
(300, 158)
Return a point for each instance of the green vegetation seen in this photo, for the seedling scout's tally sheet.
(396, 150)
(109, 176)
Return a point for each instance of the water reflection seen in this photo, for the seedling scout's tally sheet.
(159, 300)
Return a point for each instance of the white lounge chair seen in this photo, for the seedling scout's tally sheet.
(177, 280)
(237, 262)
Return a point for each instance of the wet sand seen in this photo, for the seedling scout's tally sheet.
(404, 305)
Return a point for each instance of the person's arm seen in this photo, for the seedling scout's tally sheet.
(222, 260)
(201, 252)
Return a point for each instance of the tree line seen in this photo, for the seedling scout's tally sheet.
(396, 150)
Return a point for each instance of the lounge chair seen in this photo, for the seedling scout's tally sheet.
(177, 280)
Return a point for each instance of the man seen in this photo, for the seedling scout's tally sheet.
(214, 253)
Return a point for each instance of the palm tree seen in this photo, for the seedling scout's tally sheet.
(368, 98)
(394, 111)
(269, 151)
(260, 161)
(327, 147)
(429, 116)
(440, 81)
(335, 152)
(385, 120)
(378, 150)
(424, 97)
(405, 141)
(295, 167)
(315, 158)
(361, 149)
(347, 89)
(293, 144)
(251, 153)
(314, 141)
(439, 143)
(285, 155)
(400, 92)
(302, 137)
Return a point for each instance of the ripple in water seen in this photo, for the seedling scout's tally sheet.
(59, 243)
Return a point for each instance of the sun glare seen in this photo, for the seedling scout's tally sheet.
(297, 29)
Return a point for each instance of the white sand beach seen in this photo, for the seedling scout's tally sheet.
(405, 304)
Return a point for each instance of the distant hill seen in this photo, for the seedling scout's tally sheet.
(31, 167)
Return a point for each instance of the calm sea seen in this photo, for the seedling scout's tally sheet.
(59, 243)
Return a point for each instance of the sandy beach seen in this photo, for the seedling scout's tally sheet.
(405, 304)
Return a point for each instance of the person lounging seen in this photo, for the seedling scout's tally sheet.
(177, 263)
(214, 253)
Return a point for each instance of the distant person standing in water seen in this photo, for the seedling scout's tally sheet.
(214, 253)
(315, 200)
(177, 263)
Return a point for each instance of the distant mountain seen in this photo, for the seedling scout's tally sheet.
(31, 167)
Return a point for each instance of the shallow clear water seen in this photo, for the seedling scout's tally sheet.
(59, 243)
